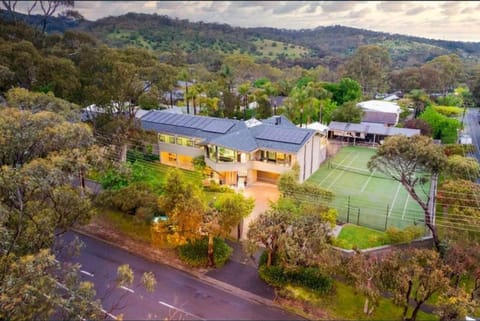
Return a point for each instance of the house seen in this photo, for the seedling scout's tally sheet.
(381, 106)
(368, 133)
(377, 117)
(237, 152)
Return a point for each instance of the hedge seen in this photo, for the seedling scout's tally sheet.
(309, 277)
(196, 253)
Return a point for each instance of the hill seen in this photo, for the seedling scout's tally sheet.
(328, 46)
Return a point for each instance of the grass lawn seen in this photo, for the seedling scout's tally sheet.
(127, 224)
(344, 304)
(361, 237)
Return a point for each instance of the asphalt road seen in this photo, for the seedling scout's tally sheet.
(472, 127)
(178, 295)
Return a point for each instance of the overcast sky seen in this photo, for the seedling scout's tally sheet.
(446, 20)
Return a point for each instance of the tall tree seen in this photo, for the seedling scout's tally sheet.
(406, 160)
(369, 66)
(184, 205)
(413, 275)
(226, 213)
(349, 112)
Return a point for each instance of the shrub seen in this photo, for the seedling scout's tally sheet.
(309, 277)
(195, 253)
(397, 236)
(136, 199)
(449, 111)
(458, 149)
(273, 275)
(217, 188)
(341, 243)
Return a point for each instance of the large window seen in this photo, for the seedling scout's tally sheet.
(184, 141)
(226, 155)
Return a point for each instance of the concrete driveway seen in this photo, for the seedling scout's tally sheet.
(263, 193)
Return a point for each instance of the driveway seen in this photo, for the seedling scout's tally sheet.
(263, 193)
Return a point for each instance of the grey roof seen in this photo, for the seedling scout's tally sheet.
(265, 138)
(188, 125)
(234, 134)
(376, 129)
(378, 117)
(284, 121)
(240, 140)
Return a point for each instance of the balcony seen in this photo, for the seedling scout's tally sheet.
(225, 166)
(269, 166)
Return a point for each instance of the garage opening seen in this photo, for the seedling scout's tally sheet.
(267, 177)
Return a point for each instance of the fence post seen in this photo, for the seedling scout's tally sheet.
(386, 216)
(348, 209)
(358, 217)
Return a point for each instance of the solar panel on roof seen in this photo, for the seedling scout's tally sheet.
(220, 127)
(283, 135)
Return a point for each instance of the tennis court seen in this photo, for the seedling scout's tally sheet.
(364, 198)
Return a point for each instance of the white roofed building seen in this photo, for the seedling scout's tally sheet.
(381, 106)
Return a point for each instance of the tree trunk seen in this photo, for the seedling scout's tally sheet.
(211, 259)
(407, 301)
(269, 258)
(123, 153)
(82, 182)
(415, 311)
(427, 214)
(365, 306)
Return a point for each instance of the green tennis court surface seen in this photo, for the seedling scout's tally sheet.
(364, 198)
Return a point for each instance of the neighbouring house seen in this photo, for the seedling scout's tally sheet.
(378, 117)
(367, 133)
(237, 152)
(381, 106)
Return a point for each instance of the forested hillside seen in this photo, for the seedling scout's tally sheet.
(327, 46)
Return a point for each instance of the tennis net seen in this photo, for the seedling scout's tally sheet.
(361, 171)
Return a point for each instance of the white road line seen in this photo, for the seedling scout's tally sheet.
(394, 199)
(331, 172)
(343, 172)
(180, 310)
(368, 180)
(86, 273)
(109, 314)
(126, 289)
(405, 206)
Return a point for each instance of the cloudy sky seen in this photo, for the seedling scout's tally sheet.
(446, 20)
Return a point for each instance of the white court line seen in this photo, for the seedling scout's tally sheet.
(405, 206)
(109, 314)
(126, 289)
(343, 172)
(394, 199)
(180, 310)
(86, 273)
(331, 172)
(368, 180)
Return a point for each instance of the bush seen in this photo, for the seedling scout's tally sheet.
(309, 277)
(273, 275)
(458, 149)
(196, 253)
(136, 199)
(217, 188)
(397, 236)
(341, 243)
(449, 111)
